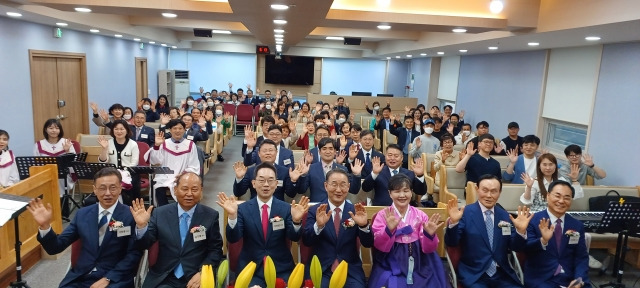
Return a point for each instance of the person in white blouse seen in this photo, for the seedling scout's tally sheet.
(8, 168)
(122, 151)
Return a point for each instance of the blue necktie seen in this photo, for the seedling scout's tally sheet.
(102, 226)
(184, 226)
(405, 150)
(488, 222)
(395, 172)
(367, 159)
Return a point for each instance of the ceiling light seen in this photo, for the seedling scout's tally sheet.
(493, 48)
(220, 31)
(279, 49)
(278, 36)
(592, 38)
(533, 43)
(409, 56)
(163, 45)
(174, 47)
(388, 58)
(136, 39)
(384, 27)
(278, 46)
(459, 30)
(279, 7)
(278, 31)
(94, 30)
(463, 50)
(440, 53)
(496, 6)
(169, 15)
(423, 54)
(152, 42)
(118, 36)
(14, 14)
(384, 3)
(279, 40)
(62, 24)
(397, 57)
(280, 21)
(82, 9)
(334, 38)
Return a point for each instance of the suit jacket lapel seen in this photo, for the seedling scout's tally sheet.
(93, 226)
(109, 234)
(172, 219)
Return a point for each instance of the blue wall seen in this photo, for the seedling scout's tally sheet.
(500, 88)
(110, 72)
(421, 68)
(397, 77)
(346, 75)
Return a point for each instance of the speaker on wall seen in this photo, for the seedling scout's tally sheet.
(352, 41)
(202, 32)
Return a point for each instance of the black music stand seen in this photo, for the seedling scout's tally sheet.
(621, 217)
(86, 170)
(151, 170)
(19, 204)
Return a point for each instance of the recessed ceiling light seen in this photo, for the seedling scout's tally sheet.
(493, 48)
(152, 42)
(280, 21)
(279, 7)
(163, 45)
(496, 6)
(334, 38)
(463, 50)
(397, 57)
(14, 14)
(220, 31)
(459, 30)
(278, 31)
(279, 43)
(384, 27)
(174, 47)
(278, 46)
(533, 43)
(62, 24)
(169, 15)
(94, 30)
(136, 39)
(423, 54)
(278, 36)
(118, 36)
(592, 38)
(409, 56)
(82, 9)
(279, 49)
(440, 53)
(388, 58)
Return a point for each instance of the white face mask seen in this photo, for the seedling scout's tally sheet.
(146, 107)
(341, 120)
(466, 133)
(268, 106)
(319, 123)
(376, 108)
(190, 102)
(428, 130)
(218, 113)
(210, 103)
(127, 116)
(296, 108)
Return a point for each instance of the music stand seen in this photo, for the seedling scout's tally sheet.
(151, 170)
(621, 217)
(18, 205)
(87, 170)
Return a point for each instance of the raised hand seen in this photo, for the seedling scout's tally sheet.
(294, 174)
(318, 107)
(298, 210)
(343, 142)
(393, 118)
(290, 109)
(461, 114)
(229, 204)
(356, 167)
(341, 156)
(498, 149)
(407, 109)
(462, 154)
(546, 231)
(353, 152)
(41, 214)
(104, 143)
(240, 169)
(418, 167)
(527, 179)
(333, 135)
(201, 90)
(304, 166)
(322, 215)
(522, 221)
(391, 219)
(139, 213)
(360, 217)
(351, 117)
(202, 122)
(450, 128)
(164, 119)
(470, 150)
(67, 145)
(388, 102)
(346, 104)
(455, 213)
(153, 106)
(208, 115)
(575, 171)
(418, 142)
(292, 125)
(159, 138)
(251, 140)
(587, 159)
(376, 165)
(104, 115)
(94, 107)
(308, 157)
(432, 225)
(512, 154)
(366, 104)
(230, 85)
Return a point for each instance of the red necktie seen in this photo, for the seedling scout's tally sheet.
(265, 220)
(336, 225)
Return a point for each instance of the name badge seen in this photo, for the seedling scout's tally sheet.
(214, 125)
(124, 231)
(199, 236)
(280, 183)
(144, 136)
(190, 137)
(506, 231)
(286, 161)
(278, 225)
(574, 239)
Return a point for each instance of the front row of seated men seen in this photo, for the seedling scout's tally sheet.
(188, 235)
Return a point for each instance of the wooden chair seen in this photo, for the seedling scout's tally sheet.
(452, 183)
(387, 139)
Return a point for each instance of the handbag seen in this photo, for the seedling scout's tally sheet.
(601, 203)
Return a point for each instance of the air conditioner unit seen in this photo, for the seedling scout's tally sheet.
(174, 84)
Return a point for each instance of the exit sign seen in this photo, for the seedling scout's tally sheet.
(262, 49)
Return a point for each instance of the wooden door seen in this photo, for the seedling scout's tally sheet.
(142, 81)
(59, 77)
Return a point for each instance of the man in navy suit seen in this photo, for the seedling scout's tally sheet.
(385, 122)
(265, 122)
(331, 231)
(365, 153)
(378, 179)
(284, 156)
(108, 256)
(265, 224)
(314, 154)
(486, 234)
(313, 177)
(556, 255)
(142, 133)
(267, 153)
(188, 235)
(405, 137)
(253, 101)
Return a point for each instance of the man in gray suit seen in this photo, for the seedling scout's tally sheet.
(188, 234)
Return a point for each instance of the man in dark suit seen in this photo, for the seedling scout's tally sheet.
(365, 153)
(556, 255)
(321, 132)
(265, 122)
(338, 240)
(342, 107)
(250, 99)
(142, 133)
(267, 153)
(265, 224)
(378, 179)
(405, 137)
(108, 256)
(284, 156)
(384, 122)
(187, 232)
(486, 234)
(313, 177)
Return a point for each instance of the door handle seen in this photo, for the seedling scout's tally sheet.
(60, 117)
(61, 103)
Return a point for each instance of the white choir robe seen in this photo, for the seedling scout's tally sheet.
(8, 169)
(44, 148)
(179, 157)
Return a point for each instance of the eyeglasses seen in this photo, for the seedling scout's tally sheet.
(112, 188)
(488, 142)
(342, 185)
(275, 134)
(447, 142)
(574, 156)
(268, 181)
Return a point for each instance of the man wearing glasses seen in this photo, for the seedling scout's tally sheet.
(284, 156)
(585, 162)
(480, 163)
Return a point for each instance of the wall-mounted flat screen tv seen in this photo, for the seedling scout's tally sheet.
(289, 70)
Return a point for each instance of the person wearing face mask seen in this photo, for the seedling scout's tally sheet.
(188, 104)
(149, 109)
(341, 119)
(376, 107)
(128, 115)
(8, 168)
(266, 109)
(465, 134)
(295, 110)
(425, 143)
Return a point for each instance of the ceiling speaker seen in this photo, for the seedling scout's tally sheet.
(352, 41)
(202, 32)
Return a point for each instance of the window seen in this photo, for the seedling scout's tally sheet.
(445, 103)
(559, 135)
